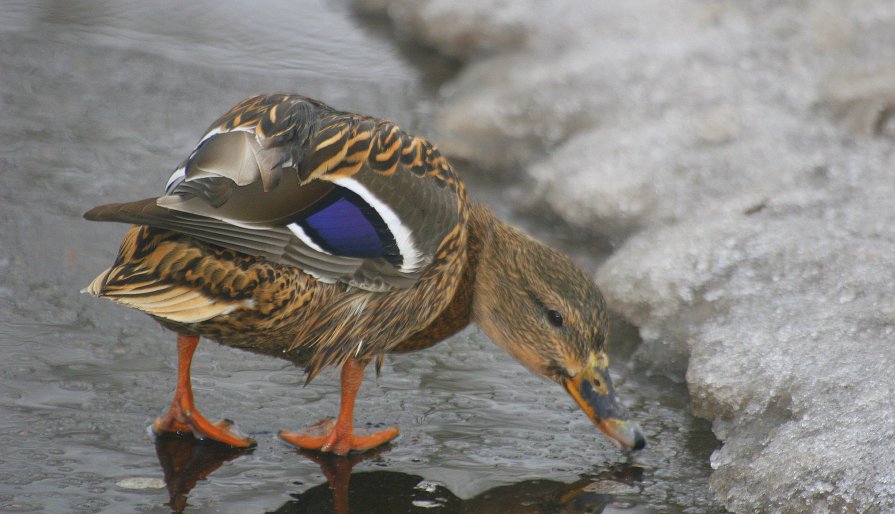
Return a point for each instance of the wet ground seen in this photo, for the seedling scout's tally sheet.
(99, 101)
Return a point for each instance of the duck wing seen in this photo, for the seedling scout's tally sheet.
(345, 198)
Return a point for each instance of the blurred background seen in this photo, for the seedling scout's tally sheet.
(724, 169)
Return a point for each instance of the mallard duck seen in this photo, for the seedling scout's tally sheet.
(332, 239)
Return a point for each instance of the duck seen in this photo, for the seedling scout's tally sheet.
(332, 239)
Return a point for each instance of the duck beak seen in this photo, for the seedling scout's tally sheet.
(592, 389)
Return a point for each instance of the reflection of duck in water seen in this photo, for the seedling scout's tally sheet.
(186, 461)
(392, 491)
(387, 492)
(332, 239)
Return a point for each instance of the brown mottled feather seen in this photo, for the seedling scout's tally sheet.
(274, 157)
(269, 308)
(235, 287)
(331, 142)
(202, 276)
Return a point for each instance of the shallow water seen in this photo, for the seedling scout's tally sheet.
(99, 101)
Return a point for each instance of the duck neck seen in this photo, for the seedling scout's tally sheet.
(497, 265)
(458, 314)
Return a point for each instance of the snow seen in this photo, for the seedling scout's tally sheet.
(742, 156)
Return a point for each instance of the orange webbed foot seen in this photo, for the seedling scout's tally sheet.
(325, 437)
(179, 420)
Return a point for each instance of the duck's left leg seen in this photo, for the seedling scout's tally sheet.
(340, 437)
(183, 415)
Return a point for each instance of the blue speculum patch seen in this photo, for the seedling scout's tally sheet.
(344, 224)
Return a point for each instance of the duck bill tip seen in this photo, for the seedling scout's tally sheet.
(624, 433)
(595, 395)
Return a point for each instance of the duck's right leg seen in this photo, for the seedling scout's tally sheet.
(340, 437)
(183, 415)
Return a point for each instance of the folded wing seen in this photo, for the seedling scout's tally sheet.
(345, 198)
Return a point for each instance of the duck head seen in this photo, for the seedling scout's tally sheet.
(533, 302)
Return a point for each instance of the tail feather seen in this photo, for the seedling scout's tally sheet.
(138, 212)
(96, 286)
(154, 272)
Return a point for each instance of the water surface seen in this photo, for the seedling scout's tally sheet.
(99, 101)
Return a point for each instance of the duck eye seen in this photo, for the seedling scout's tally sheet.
(555, 318)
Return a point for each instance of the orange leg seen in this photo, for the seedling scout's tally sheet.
(340, 437)
(183, 415)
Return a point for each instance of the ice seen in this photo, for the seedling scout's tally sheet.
(742, 156)
(478, 28)
(797, 381)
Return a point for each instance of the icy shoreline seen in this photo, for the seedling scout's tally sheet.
(743, 157)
